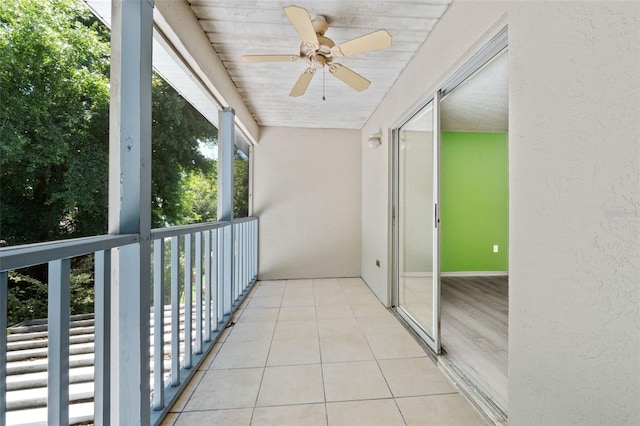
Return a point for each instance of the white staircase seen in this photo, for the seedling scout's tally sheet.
(27, 347)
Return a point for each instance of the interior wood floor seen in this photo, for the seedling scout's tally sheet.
(474, 326)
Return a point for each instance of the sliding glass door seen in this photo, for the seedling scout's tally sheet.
(416, 224)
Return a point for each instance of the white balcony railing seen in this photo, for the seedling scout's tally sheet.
(197, 308)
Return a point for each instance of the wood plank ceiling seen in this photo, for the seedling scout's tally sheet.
(248, 27)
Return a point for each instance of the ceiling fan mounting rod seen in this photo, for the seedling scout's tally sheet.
(320, 25)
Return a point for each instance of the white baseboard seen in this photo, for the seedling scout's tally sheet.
(475, 274)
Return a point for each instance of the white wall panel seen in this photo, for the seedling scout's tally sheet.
(307, 194)
(574, 103)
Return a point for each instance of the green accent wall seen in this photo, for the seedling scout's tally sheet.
(474, 201)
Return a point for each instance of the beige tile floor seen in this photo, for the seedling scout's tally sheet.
(319, 352)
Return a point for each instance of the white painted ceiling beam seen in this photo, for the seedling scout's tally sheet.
(388, 8)
(178, 24)
(267, 17)
(338, 34)
(392, 58)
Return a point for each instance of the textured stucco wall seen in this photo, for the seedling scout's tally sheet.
(574, 151)
(575, 205)
(307, 187)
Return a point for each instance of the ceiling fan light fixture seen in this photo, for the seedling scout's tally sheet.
(318, 50)
(375, 141)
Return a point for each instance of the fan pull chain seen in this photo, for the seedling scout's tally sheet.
(323, 72)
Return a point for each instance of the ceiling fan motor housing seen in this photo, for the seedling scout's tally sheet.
(320, 56)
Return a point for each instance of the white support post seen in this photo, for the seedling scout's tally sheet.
(102, 308)
(220, 287)
(215, 317)
(198, 285)
(207, 286)
(235, 232)
(175, 311)
(4, 288)
(256, 248)
(225, 164)
(188, 301)
(216, 271)
(225, 205)
(58, 339)
(158, 324)
(130, 207)
(247, 255)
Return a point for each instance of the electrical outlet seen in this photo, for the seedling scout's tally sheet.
(495, 248)
(377, 263)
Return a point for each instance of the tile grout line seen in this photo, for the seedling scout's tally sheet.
(383, 376)
(264, 369)
(324, 388)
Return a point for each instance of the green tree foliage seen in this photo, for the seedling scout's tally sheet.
(53, 121)
(54, 127)
(240, 186)
(200, 197)
(54, 139)
(176, 132)
(27, 295)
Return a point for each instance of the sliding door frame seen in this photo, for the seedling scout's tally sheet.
(432, 340)
(493, 48)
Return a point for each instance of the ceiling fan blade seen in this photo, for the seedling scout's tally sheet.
(303, 82)
(380, 39)
(301, 21)
(353, 79)
(269, 58)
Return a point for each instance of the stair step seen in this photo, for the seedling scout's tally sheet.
(39, 379)
(38, 365)
(43, 334)
(27, 352)
(37, 397)
(42, 343)
(78, 413)
(31, 354)
(44, 326)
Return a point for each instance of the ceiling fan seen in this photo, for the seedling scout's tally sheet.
(318, 51)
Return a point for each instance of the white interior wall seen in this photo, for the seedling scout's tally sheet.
(307, 191)
(574, 109)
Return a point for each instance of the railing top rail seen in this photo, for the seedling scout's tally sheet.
(244, 219)
(35, 254)
(196, 227)
(186, 229)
